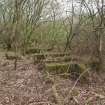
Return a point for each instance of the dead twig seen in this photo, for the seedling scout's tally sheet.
(75, 84)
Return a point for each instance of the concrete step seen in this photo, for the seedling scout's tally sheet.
(65, 67)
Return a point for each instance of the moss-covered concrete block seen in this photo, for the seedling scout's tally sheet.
(65, 67)
(73, 69)
(57, 67)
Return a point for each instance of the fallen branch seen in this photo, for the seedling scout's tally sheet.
(75, 84)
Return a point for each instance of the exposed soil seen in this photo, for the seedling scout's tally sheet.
(29, 86)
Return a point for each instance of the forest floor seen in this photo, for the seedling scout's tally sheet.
(28, 86)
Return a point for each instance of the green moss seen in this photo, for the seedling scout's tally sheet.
(83, 67)
(57, 67)
(65, 67)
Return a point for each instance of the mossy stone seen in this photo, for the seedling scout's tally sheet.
(57, 67)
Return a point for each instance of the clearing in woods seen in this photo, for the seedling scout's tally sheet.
(52, 52)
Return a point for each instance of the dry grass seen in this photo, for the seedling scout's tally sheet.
(29, 86)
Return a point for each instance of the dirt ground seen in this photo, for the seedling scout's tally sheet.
(29, 86)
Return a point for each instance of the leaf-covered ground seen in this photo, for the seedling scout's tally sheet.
(29, 86)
